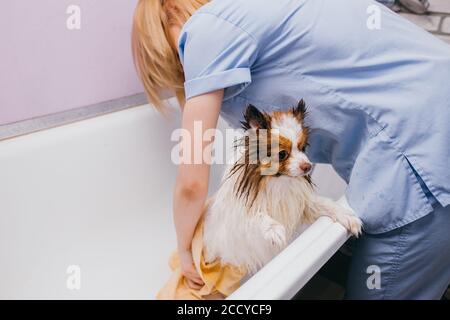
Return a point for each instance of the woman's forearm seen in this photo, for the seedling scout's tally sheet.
(188, 207)
(191, 188)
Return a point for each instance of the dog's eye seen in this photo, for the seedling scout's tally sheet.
(282, 155)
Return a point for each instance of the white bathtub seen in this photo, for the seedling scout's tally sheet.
(96, 194)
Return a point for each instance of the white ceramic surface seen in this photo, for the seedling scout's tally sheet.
(95, 194)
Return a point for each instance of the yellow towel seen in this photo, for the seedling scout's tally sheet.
(220, 280)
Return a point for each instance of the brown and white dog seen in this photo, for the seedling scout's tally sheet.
(254, 215)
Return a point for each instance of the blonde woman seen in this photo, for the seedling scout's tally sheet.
(379, 96)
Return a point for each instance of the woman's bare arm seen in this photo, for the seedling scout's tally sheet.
(191, 187)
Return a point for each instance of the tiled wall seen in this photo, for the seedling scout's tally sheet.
(437, 21)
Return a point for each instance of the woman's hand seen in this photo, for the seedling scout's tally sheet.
(188, 270)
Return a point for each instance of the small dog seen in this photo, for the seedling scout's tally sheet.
(254, 215)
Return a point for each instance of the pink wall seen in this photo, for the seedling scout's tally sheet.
(46, 68)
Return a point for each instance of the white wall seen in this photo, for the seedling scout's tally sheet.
(48, 64)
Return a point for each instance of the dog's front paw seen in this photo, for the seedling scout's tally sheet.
(274, 232)
(352, 223)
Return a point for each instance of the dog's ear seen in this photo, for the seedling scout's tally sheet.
(255, 119)
(300, 111)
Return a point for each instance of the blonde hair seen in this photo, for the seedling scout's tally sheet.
(155, 57)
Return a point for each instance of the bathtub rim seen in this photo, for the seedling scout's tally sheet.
(53, 120)
(284, 276)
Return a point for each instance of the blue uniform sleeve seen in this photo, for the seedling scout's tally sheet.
(215, 54)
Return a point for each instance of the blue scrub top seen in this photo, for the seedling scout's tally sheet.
(379, 99)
